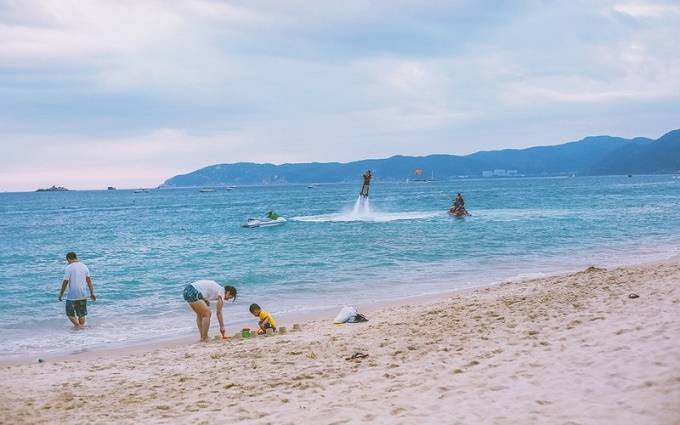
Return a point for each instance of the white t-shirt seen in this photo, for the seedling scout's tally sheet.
(76, 273)
(210, 289)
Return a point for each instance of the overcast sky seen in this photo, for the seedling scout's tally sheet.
(128, 93)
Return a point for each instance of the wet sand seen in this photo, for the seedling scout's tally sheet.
(570, 349)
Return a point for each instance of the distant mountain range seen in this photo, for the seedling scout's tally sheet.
(597, 155)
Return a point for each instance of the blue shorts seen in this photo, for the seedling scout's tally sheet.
(191, 294)
(76, 308)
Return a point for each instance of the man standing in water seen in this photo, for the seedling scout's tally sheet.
(367, 181)
(76, 276)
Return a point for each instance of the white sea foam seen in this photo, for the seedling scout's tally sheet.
(362, 211)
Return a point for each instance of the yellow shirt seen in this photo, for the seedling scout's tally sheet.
(266, 315)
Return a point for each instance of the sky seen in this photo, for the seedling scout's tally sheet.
(129, 93)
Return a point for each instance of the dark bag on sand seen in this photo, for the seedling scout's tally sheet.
(358, 318)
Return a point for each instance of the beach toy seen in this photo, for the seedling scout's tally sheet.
(283, 330)
(269, 331)
(245, 333)
(297, 327)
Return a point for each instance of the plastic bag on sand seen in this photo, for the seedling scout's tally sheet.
(345, 314)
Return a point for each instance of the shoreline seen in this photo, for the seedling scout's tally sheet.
(304, 318)
(572, 348)
(288, 319)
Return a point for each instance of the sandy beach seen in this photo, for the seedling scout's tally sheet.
(569, 349)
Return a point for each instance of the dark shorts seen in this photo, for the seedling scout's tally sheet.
(266, 326)
(77, 308)
(191, 294)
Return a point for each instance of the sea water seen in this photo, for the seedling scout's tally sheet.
(143, 248)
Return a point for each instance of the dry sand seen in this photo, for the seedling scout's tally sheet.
(571, 349)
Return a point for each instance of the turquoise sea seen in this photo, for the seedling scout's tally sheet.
(142, 248)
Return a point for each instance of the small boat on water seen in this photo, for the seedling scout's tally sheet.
(207, 190)
(269, 220)
(142, 191)
(110, 188)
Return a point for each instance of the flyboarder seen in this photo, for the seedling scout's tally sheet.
(367, 181)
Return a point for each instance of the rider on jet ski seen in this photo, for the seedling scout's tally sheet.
(459, 205)
(459, 202)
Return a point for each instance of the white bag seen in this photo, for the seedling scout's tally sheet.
(345, 314)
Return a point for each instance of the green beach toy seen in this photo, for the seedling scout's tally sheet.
(245, 333)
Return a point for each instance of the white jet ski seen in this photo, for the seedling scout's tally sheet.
(264, 222)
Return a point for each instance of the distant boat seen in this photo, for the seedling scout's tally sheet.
(142, 191)
(313, 186)
(630, 175)
(53, 189)
(110, 188)
(207, 189)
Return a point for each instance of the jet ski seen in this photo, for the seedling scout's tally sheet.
(460, 212)
(263, 222)
(271, 219)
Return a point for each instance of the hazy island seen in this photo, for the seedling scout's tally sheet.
(53, 189)
(594, 155)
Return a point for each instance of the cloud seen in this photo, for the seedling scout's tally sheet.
(174, 85)
(647, 9)
(408, 75)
